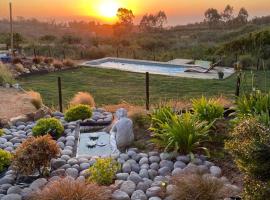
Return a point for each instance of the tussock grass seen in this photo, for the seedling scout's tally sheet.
(35, 99)
(5, 75)
(83, 98)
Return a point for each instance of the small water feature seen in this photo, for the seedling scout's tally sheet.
(94, 144)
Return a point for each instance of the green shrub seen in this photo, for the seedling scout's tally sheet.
(247, 61)
(207, 109)
(103, 171)
(78, 112)
(50, 126)
(5, 159)
(255, 189)
(183, 133)
(250, 147)
(159, 117)
(256, 104)
(1, 132)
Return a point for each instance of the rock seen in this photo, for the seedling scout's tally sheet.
(67, 152)
(134, 177)
(166, 163)
(145, 166)
(154, 166)
(138, 195)
(143, 160)
(122, 176)
(72, 161)
(123, 129)
(21, 118)
(124, 156)
(26, 193)
(12, 197)
(128, 187)
(57, 163)
(179, 164)
(142, 186)
(153, 192)
(7, 179)
(42, 112)
(120, 195)
(126, 168)
(73, 172)
(5, 186)
(38, 184)
(152, 173)
(215, 171)
(197, 161)
(58, 172)
(165, 156)
(154, 159)
(185, 159)
(135, 167)
(155, 198)
(177, 171)
(14, 190)
(164, 171)
(144, 173)
(84, 166)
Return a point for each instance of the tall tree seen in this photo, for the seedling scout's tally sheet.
(153, 22)
(242, 16)
(227, 14)
(212, 16)
(125, 22)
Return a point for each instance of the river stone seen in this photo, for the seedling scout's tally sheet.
(154, 159)
(12, 197)
(134, 177)
(72, 161)
(144, 173)
(165, 156)
(138, 195)
(153, 191)
(14, 190)
(126, 168)
(155, 198)
(38, 184)
(152, 173)
(185, 159)
(177, 171)
(84, 166)
(120, 195)
(215, 171)
(143, 160)
(73, 172)
(57, 163)
(166, 163)
(154, 166)
(164, 171)
(128, 187)
(179, 164)
(142, 186)
(135, 167)
(122, 176)
(5, 186)
(124, 156)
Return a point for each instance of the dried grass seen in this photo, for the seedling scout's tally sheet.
(5, 75)
(48, 60)
(196, 186)
(68, 63)
(83, 98)
(58, 64)
(69, 189)
(38, 59)
(35, 99)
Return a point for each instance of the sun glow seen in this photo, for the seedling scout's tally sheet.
(108, 9)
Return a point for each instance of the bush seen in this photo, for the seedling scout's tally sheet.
(78, 112)
(1, 132)
(48, 60)
(37, 59)
(83, 98)
(256, 104)
(35, 99)
(68, 63)
(255, 189)
(58, 65)
(159, 117)
(35, 154)
(183, 133)
(247, 61)
(191, 186)
(69, 189)
(5, 75)
(50, 126)
(5, 159)
(16, 61)
(103, 171)
(250, 147)
(207, 109)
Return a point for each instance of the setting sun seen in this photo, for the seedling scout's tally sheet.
(108, 9)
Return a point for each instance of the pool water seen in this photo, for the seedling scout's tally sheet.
(141, 67)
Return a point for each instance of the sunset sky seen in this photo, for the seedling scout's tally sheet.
(178, 11)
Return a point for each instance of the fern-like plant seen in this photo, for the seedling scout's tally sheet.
(207, 109)
(183, 133)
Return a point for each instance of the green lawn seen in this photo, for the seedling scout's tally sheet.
(113, 86)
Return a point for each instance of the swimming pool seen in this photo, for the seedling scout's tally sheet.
(139, 66)
(161, 68)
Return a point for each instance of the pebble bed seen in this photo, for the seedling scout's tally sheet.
(142, 175)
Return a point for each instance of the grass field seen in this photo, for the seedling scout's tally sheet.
(113, 86)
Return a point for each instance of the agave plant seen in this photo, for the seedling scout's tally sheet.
(207, 109)
(184, 133)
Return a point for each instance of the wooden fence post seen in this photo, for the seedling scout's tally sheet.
(60, 94)
(35, 53)
(238, 83)
(147, 101)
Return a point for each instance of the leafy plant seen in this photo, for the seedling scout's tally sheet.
(5, 159)
(35, 154)
(78, 112)
(159, 117)
(50, 126)
(207, 109)
(250, 147)
(103, 171)
(183, 133)
(69, 189)
(83, 98)
(1, 132)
